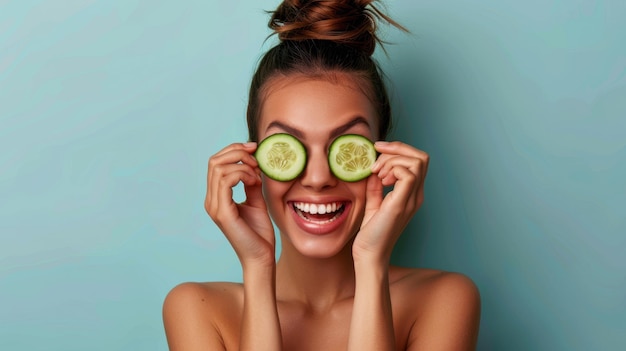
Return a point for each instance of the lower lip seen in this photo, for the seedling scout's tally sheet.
(319, 228)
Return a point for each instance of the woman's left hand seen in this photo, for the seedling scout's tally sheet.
(403, 167)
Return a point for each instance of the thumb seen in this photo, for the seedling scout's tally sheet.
(373, 193)
(254, 195)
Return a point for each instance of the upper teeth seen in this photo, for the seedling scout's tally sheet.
(318, 208)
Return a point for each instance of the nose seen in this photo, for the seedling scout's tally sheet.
(317, 175)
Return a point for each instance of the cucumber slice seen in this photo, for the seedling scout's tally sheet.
(281, 157)
(351, 157)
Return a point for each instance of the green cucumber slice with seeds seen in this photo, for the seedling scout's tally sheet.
(281, 157)
(351, 157)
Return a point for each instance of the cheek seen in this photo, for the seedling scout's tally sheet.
(359, 189)
(274, 191)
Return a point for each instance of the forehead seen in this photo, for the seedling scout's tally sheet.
(317, 105)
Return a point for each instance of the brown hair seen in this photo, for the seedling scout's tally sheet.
(320, 38)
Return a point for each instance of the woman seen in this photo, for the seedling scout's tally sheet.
(332, 287)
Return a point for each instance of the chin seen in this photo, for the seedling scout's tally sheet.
(320, 246)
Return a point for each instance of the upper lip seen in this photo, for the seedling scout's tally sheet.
(319, 200)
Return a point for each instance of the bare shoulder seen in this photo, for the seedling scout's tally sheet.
(445, 308)
(433, 283)
(210, 295)
(199, 315)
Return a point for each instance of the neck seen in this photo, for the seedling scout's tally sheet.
(316, 282)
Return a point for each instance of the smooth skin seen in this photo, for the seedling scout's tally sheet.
(332, 287)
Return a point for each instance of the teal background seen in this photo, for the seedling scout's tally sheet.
(109, 111)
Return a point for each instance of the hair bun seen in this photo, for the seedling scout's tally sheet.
(347, 22)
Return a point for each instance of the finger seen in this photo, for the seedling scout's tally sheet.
(224, 183)
(233, 156)
(221, 181)
(224, 206)
(235, 153)
(403, 151)
(405, 189)
(388, 180)
(387, 162)
(249, 146)
(218, 173)
(398, 148)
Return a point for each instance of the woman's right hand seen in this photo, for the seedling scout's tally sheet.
(247, 225)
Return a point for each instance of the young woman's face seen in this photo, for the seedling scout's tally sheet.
(316, 112)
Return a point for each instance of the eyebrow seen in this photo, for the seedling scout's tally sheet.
(333, 134)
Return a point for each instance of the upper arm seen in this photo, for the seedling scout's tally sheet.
(451, 317)
(188, 319)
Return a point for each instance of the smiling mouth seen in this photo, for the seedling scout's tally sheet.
(319, 213)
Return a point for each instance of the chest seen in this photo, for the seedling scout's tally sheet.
(304, 329)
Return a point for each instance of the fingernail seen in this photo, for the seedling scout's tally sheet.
(381, 143)
(249, 144)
